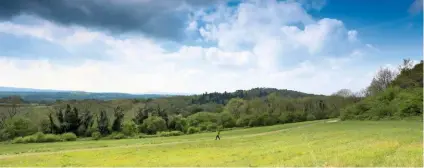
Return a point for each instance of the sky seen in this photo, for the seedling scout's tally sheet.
(197, 46)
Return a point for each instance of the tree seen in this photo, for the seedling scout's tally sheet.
(153, 124)
(19, 126)
(86, 122)
(381, 81)
(11, 111)
(119, 116)
(236, 107)
(344, 93)
(407, 64)
(129, 128)
(103, 123)
(72, 120)
(53, 127)
(142, 114)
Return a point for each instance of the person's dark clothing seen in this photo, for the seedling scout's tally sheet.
(217, 136)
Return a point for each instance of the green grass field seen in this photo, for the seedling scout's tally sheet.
(316, 143)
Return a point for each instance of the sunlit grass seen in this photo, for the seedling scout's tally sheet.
(349, 143)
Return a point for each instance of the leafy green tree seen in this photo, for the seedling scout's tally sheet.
(227, 120)
(119, 116)
(178, 123)
(45, 127)
(142, 114)
(129, 128)
(202, 117)
(72, 119)
(153, 124)
(86, 122)
(236, 107)
(19, 126)
(103, 123)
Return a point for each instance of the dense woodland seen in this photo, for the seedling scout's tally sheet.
(391, 95)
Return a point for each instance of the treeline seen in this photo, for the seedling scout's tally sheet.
(223, 98)
(154, 120)
(391, 95)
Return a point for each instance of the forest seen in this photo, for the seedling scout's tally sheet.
(392, 94)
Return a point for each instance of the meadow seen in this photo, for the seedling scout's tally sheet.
(313, 143)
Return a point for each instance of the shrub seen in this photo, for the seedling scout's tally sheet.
(171, 133)
(310, 117)
(129, 128)
(203, 126)
(227, 120)
(153, 124)
(212, 126)
(69, 136)
(89, 132)
(4, 135)
(51, 138)
(30, 139)
(242, 121)
(96, 135)
(18, 140)
(116, 135)
(177, 123)
(202, 117)
(38, 137)
(18, 126)
(147, 136)
(192, 130)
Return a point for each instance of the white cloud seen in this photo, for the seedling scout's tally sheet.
(254, 43)
(352, 35)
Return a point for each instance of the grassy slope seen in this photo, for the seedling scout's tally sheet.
(348, 143)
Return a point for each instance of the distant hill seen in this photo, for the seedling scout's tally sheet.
(41, 95)
(15, 89)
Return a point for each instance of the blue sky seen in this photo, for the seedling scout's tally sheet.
(195, 46)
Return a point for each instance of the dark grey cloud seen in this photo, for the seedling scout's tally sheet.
(157, 18)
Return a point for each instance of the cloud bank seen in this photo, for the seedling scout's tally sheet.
(252, 44)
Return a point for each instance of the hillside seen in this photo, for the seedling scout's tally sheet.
(402, 98)
(51, 96)
(305, 144)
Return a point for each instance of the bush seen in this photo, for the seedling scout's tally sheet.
(30, 139)
(44, 126)
(69, 136)
(52, 138)
(153, 124)
(18, 140)
(38, 137)
(89, 132)
(202, 117)
(227, 120)
(172, 133)
(116, 135)
(310, 117)
(192, 130)
(147, 136)
(18, 126)
(203, 126)
(129, 128)
(212, 127)
(4, 135)
(177, 123)
(96, 135)
(242, 121)
(392, 103)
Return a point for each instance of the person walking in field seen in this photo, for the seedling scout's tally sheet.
(217, 135)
